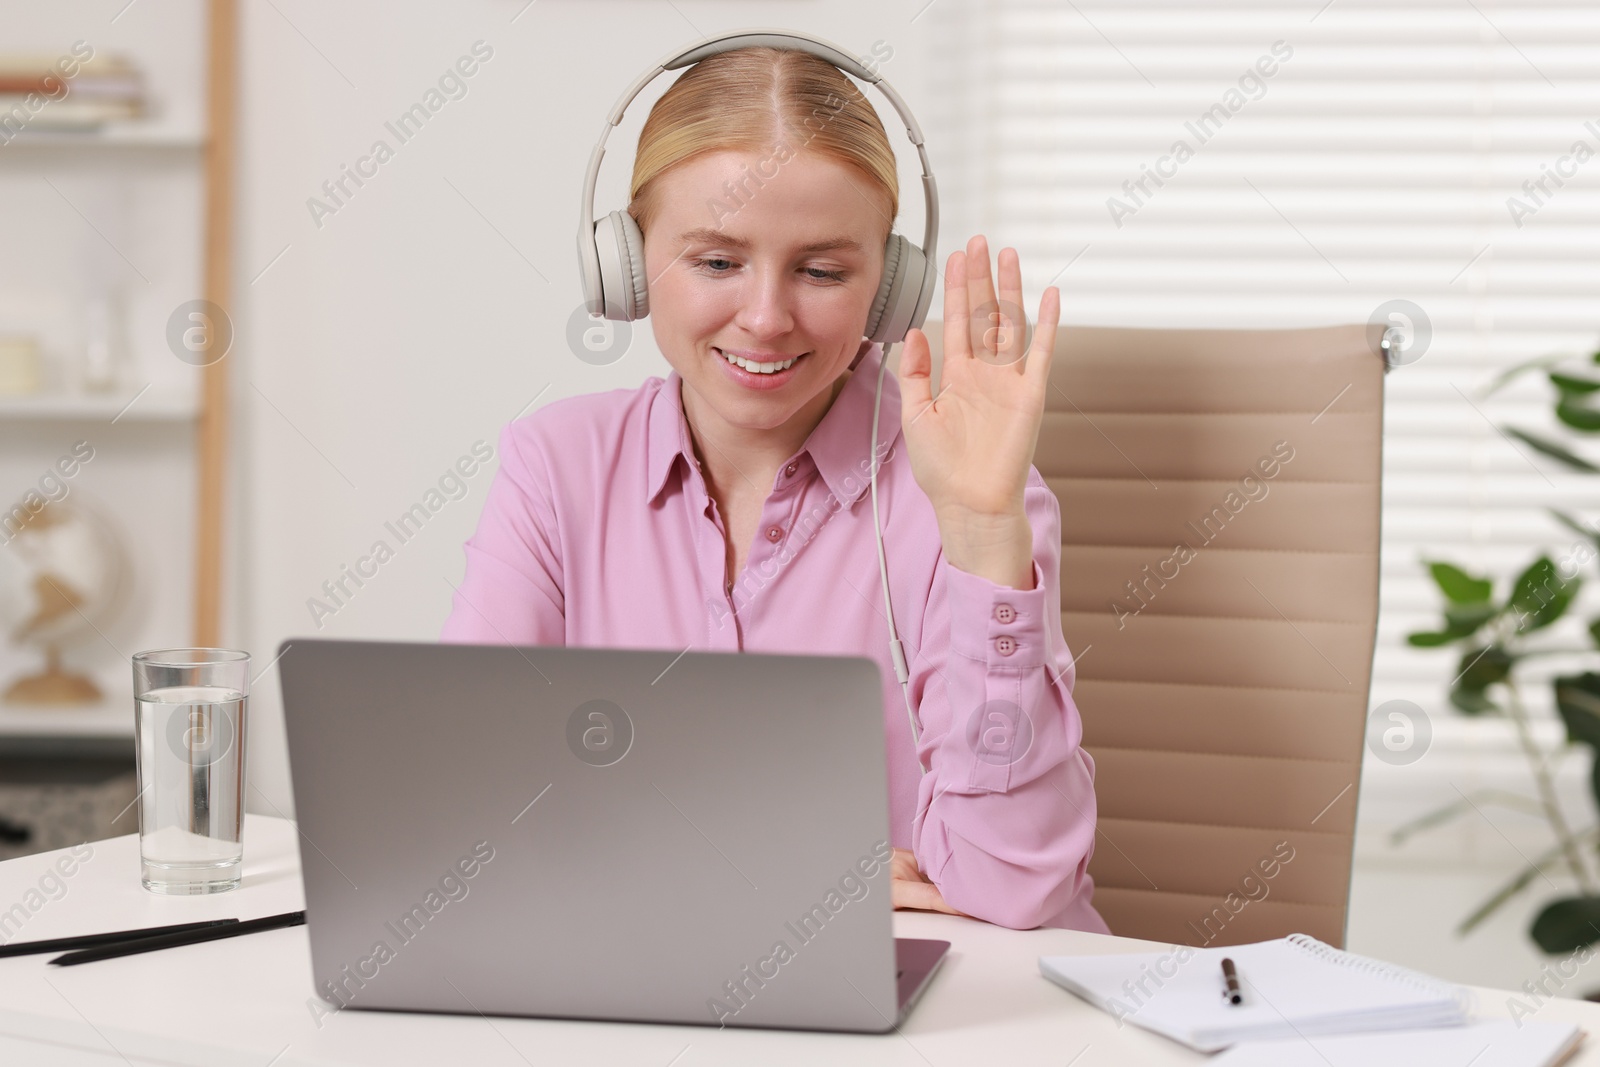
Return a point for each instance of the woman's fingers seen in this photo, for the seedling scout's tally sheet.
(1044, 339)
(957, 314)
(980, 298)
(916, 364)
(977, 323)
(1013, 322)
(904, 865)
(909, 888)
(920, 896)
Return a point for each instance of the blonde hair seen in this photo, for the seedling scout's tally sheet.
(756, 99)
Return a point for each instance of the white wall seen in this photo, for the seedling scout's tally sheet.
(433, 306)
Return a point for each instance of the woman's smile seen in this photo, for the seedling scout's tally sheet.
(763, 372)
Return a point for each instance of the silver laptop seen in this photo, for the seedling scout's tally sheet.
(583, 833)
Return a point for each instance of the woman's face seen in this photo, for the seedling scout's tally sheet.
(744, 280)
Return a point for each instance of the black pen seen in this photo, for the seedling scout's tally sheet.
(114, 937)
(1231, 978)
(192, 937)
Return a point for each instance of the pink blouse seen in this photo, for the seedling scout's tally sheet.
(598, 530)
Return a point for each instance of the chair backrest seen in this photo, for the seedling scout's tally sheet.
(1219, 495)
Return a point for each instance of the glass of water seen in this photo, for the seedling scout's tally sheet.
(189, 722)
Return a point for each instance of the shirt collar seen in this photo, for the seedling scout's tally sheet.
(838, 445)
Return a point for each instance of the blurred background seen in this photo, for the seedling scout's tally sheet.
(1427, 164)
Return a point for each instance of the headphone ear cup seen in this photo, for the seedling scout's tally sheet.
(619, 250)
(903, 295)
(892, 251)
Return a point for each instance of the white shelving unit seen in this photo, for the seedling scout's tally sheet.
(111, 719)
(164, 135)
(152, 405)
(119, 210)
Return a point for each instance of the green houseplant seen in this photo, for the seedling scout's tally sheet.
(1496, 635)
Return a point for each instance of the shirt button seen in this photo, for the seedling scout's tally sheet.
(774, 533)
(1005, 645)
(790, 469)
(1005, 613)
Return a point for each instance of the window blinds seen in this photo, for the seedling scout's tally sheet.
(1267, 164)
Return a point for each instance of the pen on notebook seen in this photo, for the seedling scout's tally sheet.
(1230, 978)
(191, 937)
(114, 937)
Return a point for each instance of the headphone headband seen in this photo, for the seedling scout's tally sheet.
(772, 39)
(595, 296)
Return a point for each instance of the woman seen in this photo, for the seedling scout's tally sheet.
(761, 538)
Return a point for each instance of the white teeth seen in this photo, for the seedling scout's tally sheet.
(758, 368)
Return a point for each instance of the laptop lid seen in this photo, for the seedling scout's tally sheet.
(620, 834)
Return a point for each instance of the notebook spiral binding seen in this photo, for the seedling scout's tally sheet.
(1405, 976)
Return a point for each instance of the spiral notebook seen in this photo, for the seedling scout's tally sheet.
(1292, 987)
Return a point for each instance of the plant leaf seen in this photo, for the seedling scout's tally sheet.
(1576, 525)
(1457, 585)
(1553, 450)
(1540, 596)
(1567, 383)
(1594, 632)
(1522, 368)
(1577, 414)
(1567, 925)
(1594, 780)
(1578, 700)
(1477, 670)
(1462, 621)
(1472, 701)
(1482, 667)
(1466, 620)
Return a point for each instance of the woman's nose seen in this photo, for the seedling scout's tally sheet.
(764, 311)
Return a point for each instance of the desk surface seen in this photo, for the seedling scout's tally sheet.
(245, 1001)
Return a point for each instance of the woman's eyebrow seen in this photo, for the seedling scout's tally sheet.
(710, 236)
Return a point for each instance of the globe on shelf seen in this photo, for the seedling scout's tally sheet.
(63, 572)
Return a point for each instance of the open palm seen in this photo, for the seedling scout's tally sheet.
(970, 447)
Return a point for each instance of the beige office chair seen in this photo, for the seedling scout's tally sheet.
(1223, 688)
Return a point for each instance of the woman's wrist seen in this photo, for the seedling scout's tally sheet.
(996, 547)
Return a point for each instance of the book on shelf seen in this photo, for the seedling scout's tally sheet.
(35, 93)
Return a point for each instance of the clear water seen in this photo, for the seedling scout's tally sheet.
(191, 781)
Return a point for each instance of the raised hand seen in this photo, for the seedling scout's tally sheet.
(970, 447)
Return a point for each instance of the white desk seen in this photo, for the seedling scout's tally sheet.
(244, 1000)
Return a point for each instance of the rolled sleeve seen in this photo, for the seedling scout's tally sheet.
(1005, 820)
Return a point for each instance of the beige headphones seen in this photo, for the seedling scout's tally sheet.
(611, 251)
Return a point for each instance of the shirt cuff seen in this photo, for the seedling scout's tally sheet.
(1002, 632)
(997, 625)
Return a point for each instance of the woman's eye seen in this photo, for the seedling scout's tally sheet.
(814, 273)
